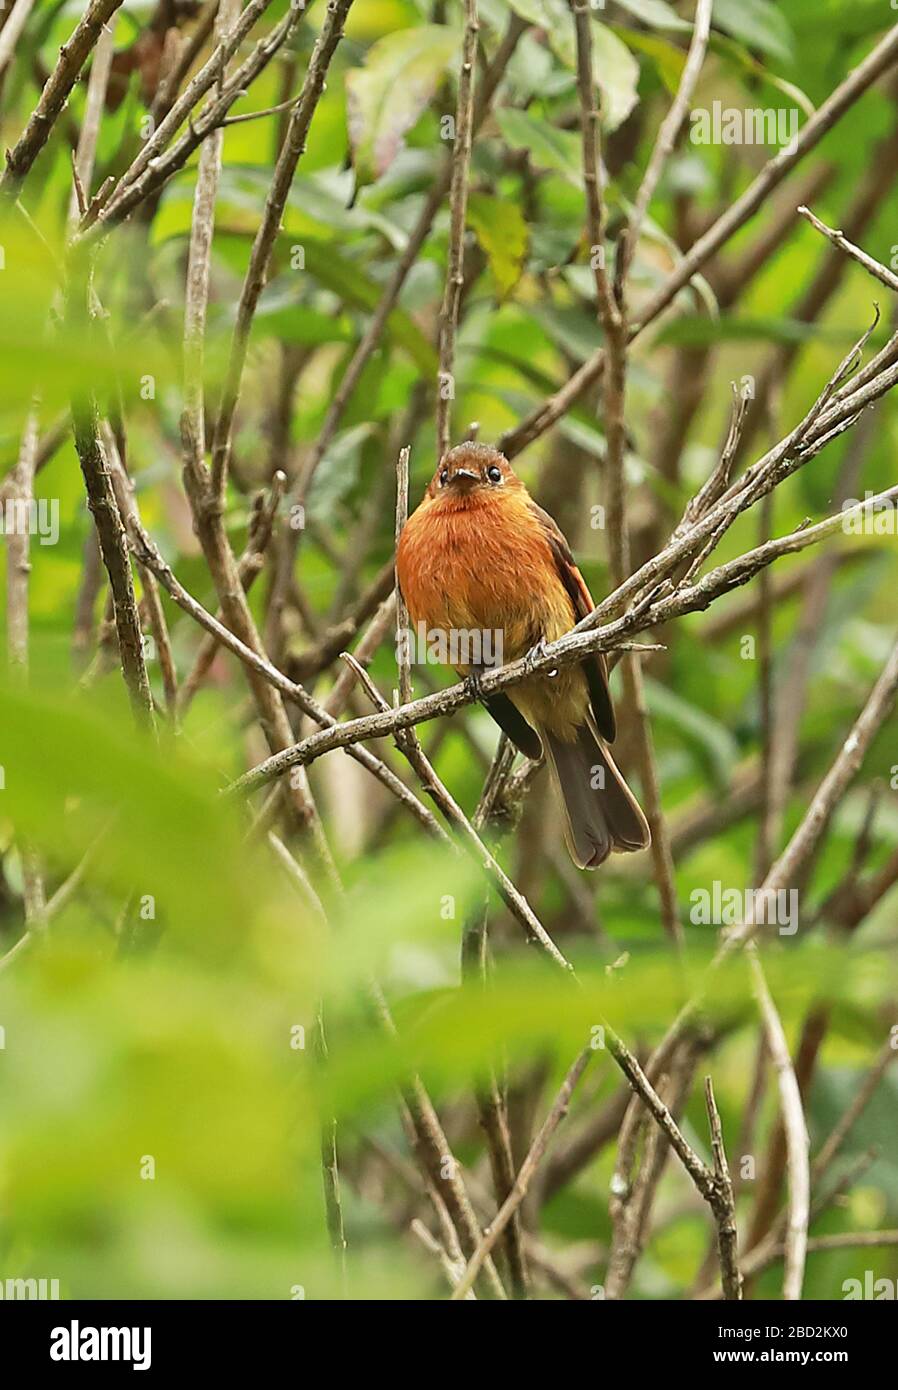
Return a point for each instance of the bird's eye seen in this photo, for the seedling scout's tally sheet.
(494, 474)
(444, 477)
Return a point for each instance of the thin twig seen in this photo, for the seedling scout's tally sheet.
(251, 658)
(458, 203)
(875, 268)
(18, 574)
(85, 154)
(114, 549)
(199, 258)
(130, 514)
(372, 335)
(727, 1237)
(260, 257)
(525, 1174)
(878, 61)
(668, 132)
(402, 626)
(72, 56)
(12, 30)
(266, 111)
(156, 164)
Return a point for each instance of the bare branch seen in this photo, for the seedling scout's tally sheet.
(199, 256)
(797, 1167)
(609, 311)
(402, 648)
(12, 30)
(85, 154)
(875, 268)
(827, 115)
(523, 1179)
(458, 204)
(260, 257)
(114, 549)
(72, 57)
(155, 164)
(727, 1237)
(18, 544)
(670, 129)
(151, 558)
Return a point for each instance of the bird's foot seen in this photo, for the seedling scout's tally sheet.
(474, 685)
(535, 654)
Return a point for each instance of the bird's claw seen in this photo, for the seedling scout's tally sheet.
(474, 685)
(535, 654)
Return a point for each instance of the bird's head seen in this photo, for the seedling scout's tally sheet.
(471, 470)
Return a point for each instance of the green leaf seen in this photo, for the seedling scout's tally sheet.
(574, 331)
(757, 23)
(711, 739)
(386, 96)
(655, 12)
(502, 232)
(342, 275)
(548, 147)
(339, 470)
(283, 318)
(667, 58)
(738, 55)
(534, 11)
(615, 70)
(617, 75)
(697, 331)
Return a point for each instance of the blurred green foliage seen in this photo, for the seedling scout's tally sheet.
(177, 1042)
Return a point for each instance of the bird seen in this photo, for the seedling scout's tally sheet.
(480, 554)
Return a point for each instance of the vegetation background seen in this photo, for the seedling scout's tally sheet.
(162, 1086)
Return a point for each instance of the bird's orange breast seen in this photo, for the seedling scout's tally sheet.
(483, 562)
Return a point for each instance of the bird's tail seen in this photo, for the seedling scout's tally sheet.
(601, 813)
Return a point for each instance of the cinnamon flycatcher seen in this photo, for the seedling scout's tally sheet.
(480, 554)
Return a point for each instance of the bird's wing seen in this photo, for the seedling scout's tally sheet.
(513, 723)
(594, 667)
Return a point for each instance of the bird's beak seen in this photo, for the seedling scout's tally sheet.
(465, 475)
